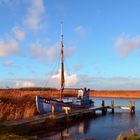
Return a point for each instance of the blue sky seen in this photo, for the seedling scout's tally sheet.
(101, 41)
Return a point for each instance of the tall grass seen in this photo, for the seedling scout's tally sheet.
(18, 104)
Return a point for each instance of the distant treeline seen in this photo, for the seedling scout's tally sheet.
(30, 88)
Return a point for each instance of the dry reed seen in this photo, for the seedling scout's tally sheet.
(18, 104)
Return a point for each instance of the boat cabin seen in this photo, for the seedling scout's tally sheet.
(83, 94)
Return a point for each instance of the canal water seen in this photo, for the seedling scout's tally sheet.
(106, 127)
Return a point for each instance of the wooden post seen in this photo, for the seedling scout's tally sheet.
(94, 112)
(67, 110)
(103, 108)
(112, 106)
(53, 108)
(81, 114)
(132, 106)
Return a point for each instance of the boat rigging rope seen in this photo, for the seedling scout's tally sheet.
(52, 70)
(67, 68)
(82, 79)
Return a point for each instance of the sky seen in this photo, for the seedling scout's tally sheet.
(101, 43)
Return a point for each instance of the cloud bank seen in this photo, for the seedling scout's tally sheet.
(24, 83)
(34, 14)
(70, 80)
(125, 45)
(9, 47)
(76, 81)
(43, 53)
(46, 54)
(19, 33)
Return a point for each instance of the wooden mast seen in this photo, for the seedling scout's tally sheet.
(62, 79)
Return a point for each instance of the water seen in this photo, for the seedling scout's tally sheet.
(106, 127)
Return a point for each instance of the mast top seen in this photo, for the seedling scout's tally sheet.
(61, 33)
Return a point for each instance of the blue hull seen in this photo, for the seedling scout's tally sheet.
(44, 106)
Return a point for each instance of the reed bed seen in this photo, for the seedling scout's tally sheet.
(19, 104)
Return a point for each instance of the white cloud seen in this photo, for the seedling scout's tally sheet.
(125, 45)
(70, 80)
(9, 44)
(43, 54)
(54, 51)
(77, 81)
(8, 48)
(34, 15)
(49, 53)
(80, 30)
(19, 33)
(24, 84)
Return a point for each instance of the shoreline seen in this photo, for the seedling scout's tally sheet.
(116, 94)
(130, 94)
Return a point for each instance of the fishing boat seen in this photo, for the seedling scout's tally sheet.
(82, 101)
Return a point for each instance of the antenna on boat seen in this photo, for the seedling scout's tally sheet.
(62, 78)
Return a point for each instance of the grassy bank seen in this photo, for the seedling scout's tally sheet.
(17, 104)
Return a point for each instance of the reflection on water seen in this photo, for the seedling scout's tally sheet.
(70, 132)
(105, 127)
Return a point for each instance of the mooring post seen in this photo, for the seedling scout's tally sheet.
(53, 109)
(67, 110)
(132, 106)
(94, 112)
(103, 108)
(112, 106)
